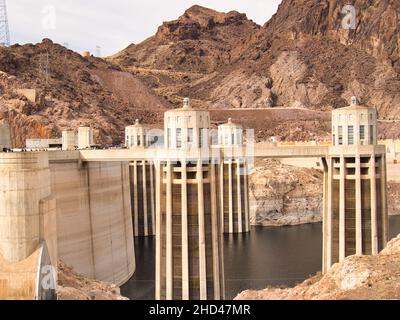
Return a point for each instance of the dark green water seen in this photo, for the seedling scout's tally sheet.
(267, 256)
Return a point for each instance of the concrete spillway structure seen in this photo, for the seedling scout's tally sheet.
(142, 182)
(233, 182)
(28, 232)
(189, 252)
(355, 208)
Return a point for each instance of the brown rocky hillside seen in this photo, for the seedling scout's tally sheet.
(301, 58)
(72, 91)
(200, 41)
(300, 65)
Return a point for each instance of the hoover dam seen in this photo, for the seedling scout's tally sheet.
(80, 206)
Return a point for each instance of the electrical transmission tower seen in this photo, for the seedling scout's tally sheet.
(4, 30)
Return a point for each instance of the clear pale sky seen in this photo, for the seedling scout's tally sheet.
(112, 25)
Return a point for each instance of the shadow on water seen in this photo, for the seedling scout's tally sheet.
(141, 286)
(267, 256)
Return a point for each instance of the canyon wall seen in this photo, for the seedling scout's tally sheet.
(284, 195)
(95, 235)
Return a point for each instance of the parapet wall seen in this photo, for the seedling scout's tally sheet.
(95, 234)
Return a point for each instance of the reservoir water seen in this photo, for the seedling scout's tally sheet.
(268, 256)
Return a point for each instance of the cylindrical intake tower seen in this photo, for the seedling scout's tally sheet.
(189, 253)
(142, 180)
(233, 179)
(355, 207)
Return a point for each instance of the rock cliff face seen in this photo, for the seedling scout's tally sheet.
(301, 58)
(285, 195)
(331, 62)
(356, 278)
(393, 198)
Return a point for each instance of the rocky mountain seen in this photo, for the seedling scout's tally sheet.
(302, 58)
(356, 278)
(299, 65)
(315, 62)
(200, 41)
(70, 91)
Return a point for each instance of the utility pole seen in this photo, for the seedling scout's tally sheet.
(4, 29)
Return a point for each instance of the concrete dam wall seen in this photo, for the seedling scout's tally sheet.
(28, 239)
(94, 221)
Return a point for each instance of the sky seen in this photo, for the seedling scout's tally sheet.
(106, 27)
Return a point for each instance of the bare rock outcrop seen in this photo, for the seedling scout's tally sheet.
(285, 195)
(72, 286)
(393, 198)
(356, 278)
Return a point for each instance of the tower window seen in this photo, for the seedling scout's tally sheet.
(169, 137)
(202, 138)
(362, 132)
(190, 135)
(371, 134)
(350, 132)
(233, 138)
(334, 139)
(340, 128)
(179, 138)
(138, 140)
